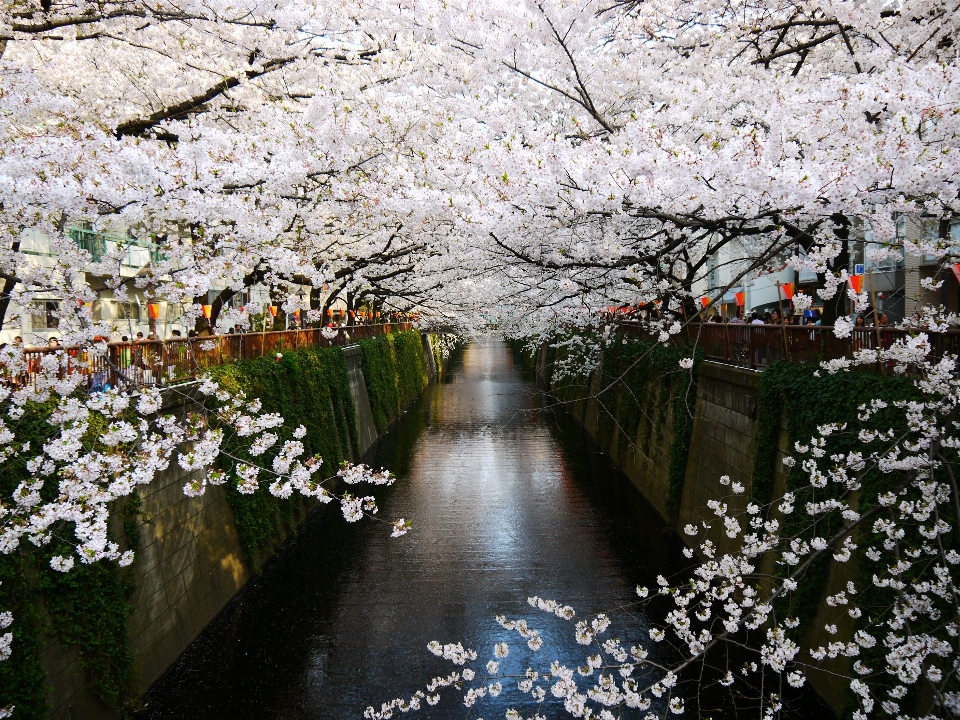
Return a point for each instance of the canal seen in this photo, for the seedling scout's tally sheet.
(508, 499)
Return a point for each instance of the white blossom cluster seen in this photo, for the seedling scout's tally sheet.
(530, 167)
(104, 446)
(880, 492)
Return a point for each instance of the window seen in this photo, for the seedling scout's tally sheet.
(869, 244)
(128, 311)
(43, 315)
(93, 242)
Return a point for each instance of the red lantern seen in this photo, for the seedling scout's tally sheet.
(788, 290)
(704, 301)
(207, 311)
(740, 298)
(296, 316)
(856, 282)
(956, 271)
(273, 310)
(154, 310)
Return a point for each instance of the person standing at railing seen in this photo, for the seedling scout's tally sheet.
(859, 334)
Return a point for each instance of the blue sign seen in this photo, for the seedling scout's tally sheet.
(858, 269)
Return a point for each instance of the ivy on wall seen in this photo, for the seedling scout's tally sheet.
(395, 373)
(794, 399)
(22, 678)
(647, 381)
(87, 607)
(308, 387)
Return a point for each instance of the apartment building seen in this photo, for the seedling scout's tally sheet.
(894, 284)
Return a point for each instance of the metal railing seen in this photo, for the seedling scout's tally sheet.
(756, 346)
(167, 362)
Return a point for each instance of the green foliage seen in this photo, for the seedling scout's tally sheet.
(88, 606)
(411, 368)
(22, 678)
(649, 380)
(309, 387)
(395, 373)
(640, 382)
(437, 354)
(808, 401)
(800, 398)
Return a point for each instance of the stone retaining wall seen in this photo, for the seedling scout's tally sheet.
(188, 567)
(724, 426)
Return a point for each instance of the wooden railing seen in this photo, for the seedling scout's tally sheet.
(756, 346)
(166, 362)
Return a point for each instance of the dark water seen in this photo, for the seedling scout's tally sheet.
(506, 500)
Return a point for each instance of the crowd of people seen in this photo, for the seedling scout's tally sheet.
(332, 321)
(868, 318)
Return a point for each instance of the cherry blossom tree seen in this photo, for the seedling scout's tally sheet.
(524, 164)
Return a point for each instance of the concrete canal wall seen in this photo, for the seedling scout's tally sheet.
(723, 402)
(190, 563)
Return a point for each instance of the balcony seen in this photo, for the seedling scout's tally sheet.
(134, 253)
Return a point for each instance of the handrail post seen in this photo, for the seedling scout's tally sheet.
(876, 318)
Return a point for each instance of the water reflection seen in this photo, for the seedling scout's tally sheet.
(506, 502)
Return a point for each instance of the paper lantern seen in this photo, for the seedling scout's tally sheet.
(740, 297)
(154, 310)
(788, 290)
(207, 311)
(956, 271)
(273, 310)
(704, 301)
(296, 315)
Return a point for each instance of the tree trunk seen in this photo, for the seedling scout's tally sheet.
(9, 283)
(836, 307)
